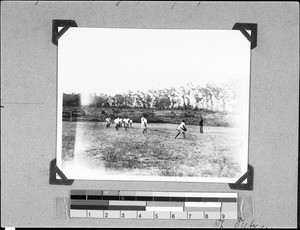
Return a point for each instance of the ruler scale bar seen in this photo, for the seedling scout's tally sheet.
(164, 208)
(194, 199)
(127, 198)
(123, 207)
(202, 209)
(161, 198)
(145, 198)
(90, 207)
(131, 203)
(202, 204)
(152, 205)
(168, 204)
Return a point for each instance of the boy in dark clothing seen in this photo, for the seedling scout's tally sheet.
(201, 124)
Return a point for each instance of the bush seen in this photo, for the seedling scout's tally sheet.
(189, 107)
(156, 120)
(188, 114)
(207, 111)
(172, 114)
(116, 111)
(148, 114)
(196, 108)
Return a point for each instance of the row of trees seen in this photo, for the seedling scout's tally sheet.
(71, 99)
(189, 96)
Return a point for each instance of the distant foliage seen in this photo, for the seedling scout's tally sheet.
(172, 114)
(187, 97)
(116, 111)
(71, 99)
(148, 114)
(188, 114)
(196, 108)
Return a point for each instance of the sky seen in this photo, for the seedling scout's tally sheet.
(111, 61)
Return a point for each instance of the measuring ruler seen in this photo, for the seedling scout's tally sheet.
(152, 205)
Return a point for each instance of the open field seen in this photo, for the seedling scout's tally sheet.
(157, 153)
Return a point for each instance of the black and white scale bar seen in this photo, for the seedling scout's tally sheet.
(152, 196)
(152, 205)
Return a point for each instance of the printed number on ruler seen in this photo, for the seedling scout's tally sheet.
(128, 214)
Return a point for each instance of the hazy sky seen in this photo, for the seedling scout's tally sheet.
(93, 60)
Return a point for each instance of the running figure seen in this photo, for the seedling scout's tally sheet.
(181, 129)
(144, 124)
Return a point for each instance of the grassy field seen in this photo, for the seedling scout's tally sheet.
(157, 153)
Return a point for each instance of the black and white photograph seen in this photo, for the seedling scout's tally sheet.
(153, 104)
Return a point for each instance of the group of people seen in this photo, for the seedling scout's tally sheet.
(119, 122)
(127, 122)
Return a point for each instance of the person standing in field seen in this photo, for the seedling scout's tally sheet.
(123, 122)
(201, 124)
(118, 123)
(181, 129)
(130, 123)
(108, 122)
(144, 124)
(126, 123)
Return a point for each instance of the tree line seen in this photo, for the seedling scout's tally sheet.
(186, 97)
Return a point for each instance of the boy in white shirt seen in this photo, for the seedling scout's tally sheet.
(181, 129)
(118, 123)
(126, 123)
(144, 124)
(107, 122)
